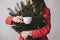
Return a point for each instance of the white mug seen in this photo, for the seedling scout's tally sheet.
(27, 20)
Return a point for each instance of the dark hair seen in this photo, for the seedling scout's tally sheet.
(39, 4)
(44, 5)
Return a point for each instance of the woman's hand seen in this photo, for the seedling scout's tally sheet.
(25, 34)
(18, 19)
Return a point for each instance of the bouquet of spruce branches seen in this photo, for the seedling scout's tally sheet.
(29, 10)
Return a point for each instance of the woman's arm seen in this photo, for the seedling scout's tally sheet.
(44, 30)
(9, 20)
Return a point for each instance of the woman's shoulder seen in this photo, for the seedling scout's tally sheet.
(46, 9)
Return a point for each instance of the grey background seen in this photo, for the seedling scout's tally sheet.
(7, 33)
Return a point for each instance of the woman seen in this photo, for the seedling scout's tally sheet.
(37, 33)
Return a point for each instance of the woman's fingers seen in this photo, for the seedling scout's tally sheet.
(25, 34)
(18, 19)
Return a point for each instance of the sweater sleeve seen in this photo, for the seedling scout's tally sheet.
(44, 30)
(9, 20)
